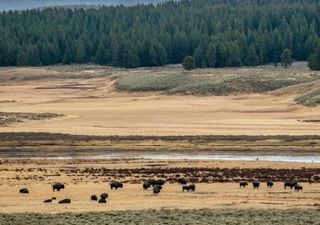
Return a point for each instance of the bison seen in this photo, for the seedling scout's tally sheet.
(24, 191)
(289, 183)
(94, 198)
(243, 184)
(104, 196)
(182, 181)
(156, 189)
(65, 201)
(153, 182)
(256, 184)
(57, 186)
(298, 187)
(191, 187)
(102, 200)
(146, 185)
(115, 185)
(269, 184)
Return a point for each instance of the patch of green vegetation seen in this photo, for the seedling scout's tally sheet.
(172, 217)
(213, 82)
(149, 82)
(311, 98)
(7, 118)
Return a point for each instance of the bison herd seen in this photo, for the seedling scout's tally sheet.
(157, 186)
(288, 183)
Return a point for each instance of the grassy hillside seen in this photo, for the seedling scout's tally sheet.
(215, 81)
(173, 217)
(311, 98)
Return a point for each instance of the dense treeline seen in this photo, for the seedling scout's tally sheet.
(217, 33)
(29, 4)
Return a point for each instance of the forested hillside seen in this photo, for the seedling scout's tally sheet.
(218, 33)
(29, 4)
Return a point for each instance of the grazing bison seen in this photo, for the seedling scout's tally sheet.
(65, 201)
(298, 187)
(191, 187)
(243, 184)
(156, 189)
(182, 181)
(256, 184)
(153, 182)
(102, 200)
(116, 185)
(146, 185)
(104, 196)
(24, 191)
(289, 183)
(57, 186)
(269, 184)
(47, 201)
(94, 198)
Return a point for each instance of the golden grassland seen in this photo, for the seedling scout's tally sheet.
(90, 103)
(38, 175)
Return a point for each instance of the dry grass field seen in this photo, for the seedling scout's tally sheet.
(163, 110)
(91, 104)
(84, 178)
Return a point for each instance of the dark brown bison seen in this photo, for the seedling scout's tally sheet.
(256, 184)
(24, 191)
(243, 184)
(269, 184)
(289, 183)
(146, 185)
(94, 198)
(57, 186)
(115, 185)
(182, 181)
(102, 200)
(191, 187)
(298, 187)
(47, 201)
(156, 189)
(153, 182)
(65, 201)
(104, 195)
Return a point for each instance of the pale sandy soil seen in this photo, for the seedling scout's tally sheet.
(91, 106)
(133, 197)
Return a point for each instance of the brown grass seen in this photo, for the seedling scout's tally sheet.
(92, 106)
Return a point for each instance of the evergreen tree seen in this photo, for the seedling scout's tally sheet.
(211, 56)
(286, 58)
(314, 60)
(188, 63)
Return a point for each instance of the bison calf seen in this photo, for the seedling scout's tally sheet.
(298, 187)
(191, 187)
(243, 184)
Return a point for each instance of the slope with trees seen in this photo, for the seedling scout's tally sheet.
(216, 33)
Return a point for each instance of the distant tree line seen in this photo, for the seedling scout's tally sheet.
(217, 33)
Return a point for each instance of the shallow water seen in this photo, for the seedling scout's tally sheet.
(269, 158)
